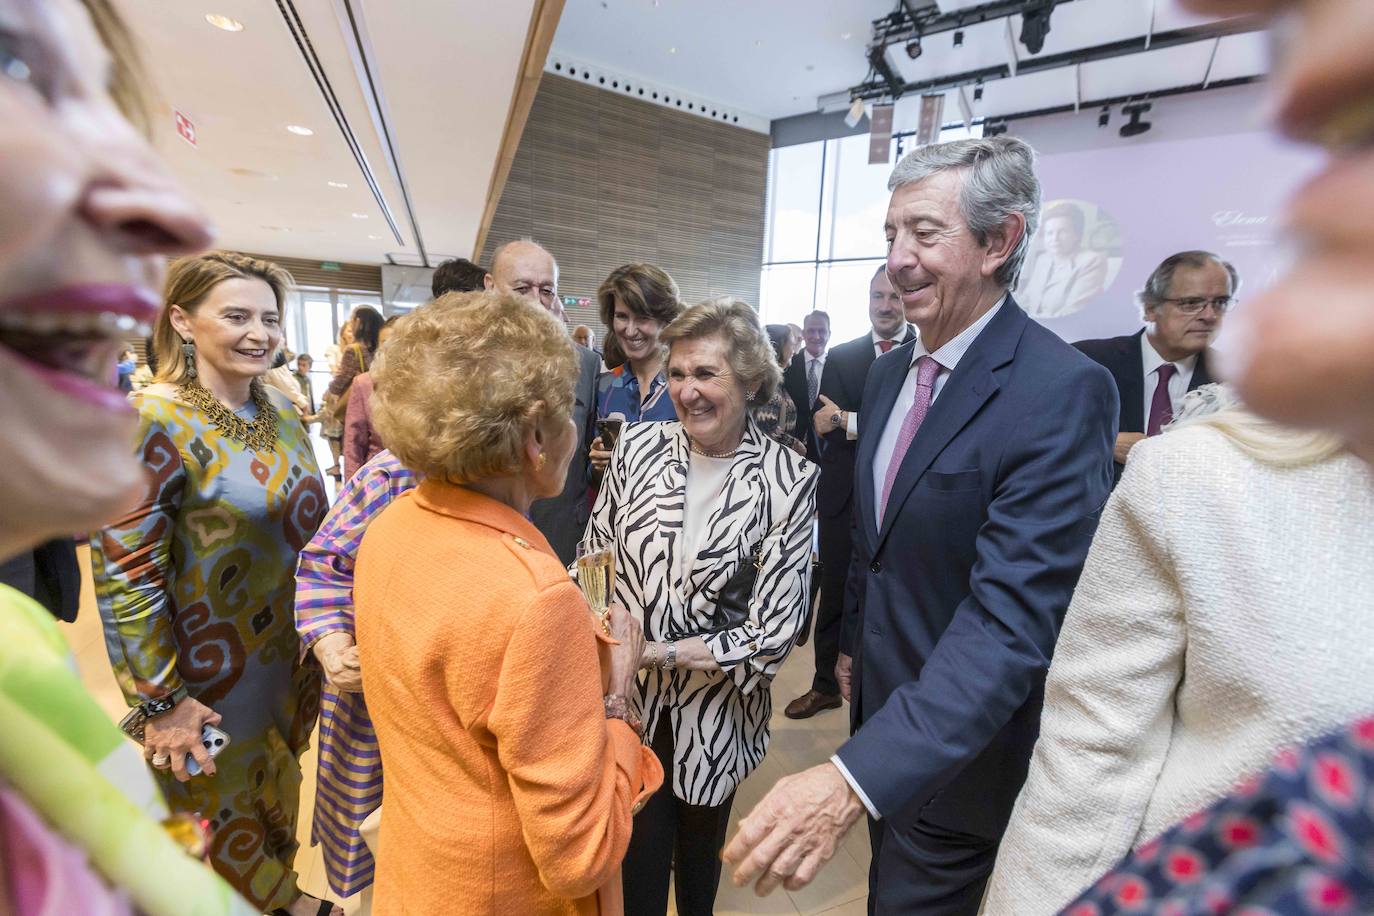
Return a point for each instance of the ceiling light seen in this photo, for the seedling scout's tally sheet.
(844, 36)
(224, 22)
(375, 238)
(958, 39)
(299, 131)
(359, 215)
(994, 130)
(978, 93)
(1104, 117)
(672, 50)
(913, 48)
(337, 184)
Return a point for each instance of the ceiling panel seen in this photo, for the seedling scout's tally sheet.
(1240, 56)
(1150, 71)
(1031, 92)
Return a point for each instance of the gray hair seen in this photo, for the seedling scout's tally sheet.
(999, 180)
(1157, 287)
(750, 353)
(503, 250)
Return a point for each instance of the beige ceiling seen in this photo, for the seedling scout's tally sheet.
(444, 71)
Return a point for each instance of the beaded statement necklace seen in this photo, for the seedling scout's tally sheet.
(701, 451)
(259, 435)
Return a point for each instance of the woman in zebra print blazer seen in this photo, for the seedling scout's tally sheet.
(685, 504)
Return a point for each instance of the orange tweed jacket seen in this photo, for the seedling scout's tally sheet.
(507, 790)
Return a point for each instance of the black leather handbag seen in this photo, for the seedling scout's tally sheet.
(732, 604)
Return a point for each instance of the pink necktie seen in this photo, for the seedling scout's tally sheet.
(1161, 405)
(884, 345)
(927, 370)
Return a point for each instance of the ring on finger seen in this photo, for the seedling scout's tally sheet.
(160, 760)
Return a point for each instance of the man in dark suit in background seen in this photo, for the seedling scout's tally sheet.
(802, 379)
(1184, 302)
(836, 423)
(985, 456)
(525, 268)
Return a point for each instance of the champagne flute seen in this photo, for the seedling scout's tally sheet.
(596, 577)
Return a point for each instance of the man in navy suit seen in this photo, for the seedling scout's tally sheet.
(984, 459)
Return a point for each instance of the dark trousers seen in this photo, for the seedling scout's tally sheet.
(674, 838)
(835, 547)
(925, 870)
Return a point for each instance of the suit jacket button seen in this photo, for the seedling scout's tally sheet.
(875, 566)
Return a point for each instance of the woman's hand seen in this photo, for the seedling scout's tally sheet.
(625, 658)
(338, 656)
(176, 733)
(599, 455)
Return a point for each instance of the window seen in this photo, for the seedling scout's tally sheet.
(824, 234)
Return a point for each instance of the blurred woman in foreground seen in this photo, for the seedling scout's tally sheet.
(88, 215)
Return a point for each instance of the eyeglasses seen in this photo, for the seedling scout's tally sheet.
(1193, 305)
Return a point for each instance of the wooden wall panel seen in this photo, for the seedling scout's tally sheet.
(601, 180)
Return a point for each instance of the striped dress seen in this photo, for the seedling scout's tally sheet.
(349, 787)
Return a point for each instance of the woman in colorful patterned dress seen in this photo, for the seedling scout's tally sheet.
(637, 302)
(195, 585)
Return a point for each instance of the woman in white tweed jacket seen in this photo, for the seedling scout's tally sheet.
(1224, 611)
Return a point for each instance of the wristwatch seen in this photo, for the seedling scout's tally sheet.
(836, 419)
(158, 705)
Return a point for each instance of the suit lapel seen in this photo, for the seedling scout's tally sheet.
(1200, 374)
(967, 389)
(1131, 384)
(875, 417)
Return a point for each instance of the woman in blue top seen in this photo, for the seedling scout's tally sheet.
(637, 301)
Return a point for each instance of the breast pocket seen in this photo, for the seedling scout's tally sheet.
(953, 481)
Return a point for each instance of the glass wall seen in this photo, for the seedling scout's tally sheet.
(824, 233)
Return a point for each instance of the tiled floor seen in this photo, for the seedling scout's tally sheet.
(839, 890)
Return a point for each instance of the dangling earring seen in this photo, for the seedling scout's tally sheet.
(543, 460)
(188, 353)
(749, 396)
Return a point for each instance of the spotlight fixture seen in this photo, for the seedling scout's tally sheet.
(913, 48)
(1035, 25)
(1104, 117)
(224, 22)
(1135, 127)
(855, 113)
(958, 38)
(978, 93)
(994, 130)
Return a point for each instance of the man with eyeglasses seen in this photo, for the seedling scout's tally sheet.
(525, 268)
(1183, 304)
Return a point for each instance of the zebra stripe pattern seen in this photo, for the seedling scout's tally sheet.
(719, 719)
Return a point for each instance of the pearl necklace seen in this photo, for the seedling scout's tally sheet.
(701, 451)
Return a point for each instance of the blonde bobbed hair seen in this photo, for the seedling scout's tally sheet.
(748, 349)
(189, 282)
(1218, 407)
(463, 380)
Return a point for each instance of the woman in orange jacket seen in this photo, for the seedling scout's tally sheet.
(513, 764)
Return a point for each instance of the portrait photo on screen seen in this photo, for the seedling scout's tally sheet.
(1074, 259)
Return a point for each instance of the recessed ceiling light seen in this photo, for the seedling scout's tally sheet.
(375, 238)
(359, 215)
(844, 36)
(672, 50)
(337, 184)
(299, 131)
(224, 22)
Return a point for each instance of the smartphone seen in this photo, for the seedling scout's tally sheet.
(609, 431)
(213, 740)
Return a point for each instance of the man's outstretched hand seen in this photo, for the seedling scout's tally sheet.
(794, 831)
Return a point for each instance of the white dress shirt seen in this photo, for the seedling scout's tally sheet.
(1178, 385)
(851, 425)
(948, 357)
